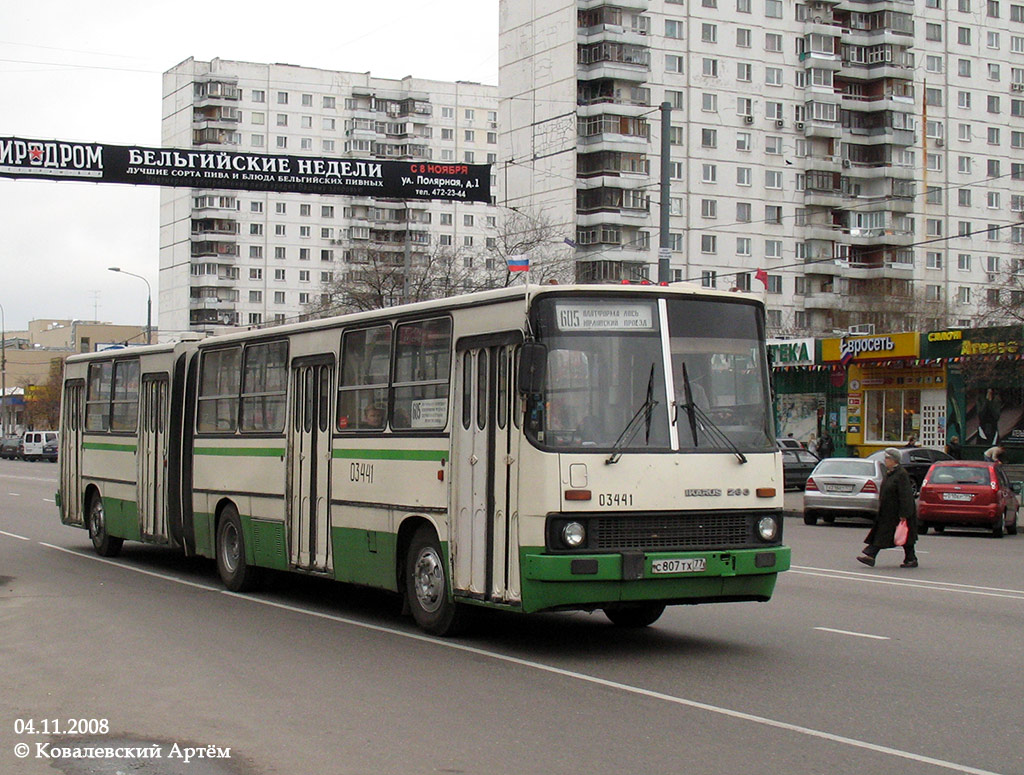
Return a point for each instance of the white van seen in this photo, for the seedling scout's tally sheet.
(35, 443)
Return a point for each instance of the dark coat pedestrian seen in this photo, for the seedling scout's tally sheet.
(953, 448)
(895, 502)
(825, 446)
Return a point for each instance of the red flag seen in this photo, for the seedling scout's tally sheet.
(762, 276)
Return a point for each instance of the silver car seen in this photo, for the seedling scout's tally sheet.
(843, 487)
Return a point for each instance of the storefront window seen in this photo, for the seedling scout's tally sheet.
(891, 415)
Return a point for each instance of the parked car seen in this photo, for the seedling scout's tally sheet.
(10, 447)
(50, 451)
(797, 465)
(33, 443)
(789, 444)
(916, 460)
(842, 487)
(968, 493)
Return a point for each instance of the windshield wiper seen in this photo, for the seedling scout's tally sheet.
(689, 405)
(707, 424)
(633, 426)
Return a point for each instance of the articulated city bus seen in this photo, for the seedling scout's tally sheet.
(553, 448)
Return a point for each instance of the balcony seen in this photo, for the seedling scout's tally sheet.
(214, 227)
(216, 90)
(219, 250)
(628, 5)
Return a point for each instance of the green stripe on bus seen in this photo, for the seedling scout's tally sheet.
(108, 447)
(392, 454)
(240, 451)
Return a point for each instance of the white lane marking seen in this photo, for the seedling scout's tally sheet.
(808, 731)
(583, 677)
(49, 500)
(143, 571)
(855, 634)
(934, 586)
(15, 494)
(13, 535)
(29, 478)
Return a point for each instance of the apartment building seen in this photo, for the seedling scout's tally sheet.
(245, 258)
(866, 155)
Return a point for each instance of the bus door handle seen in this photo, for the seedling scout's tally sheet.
(473, 460)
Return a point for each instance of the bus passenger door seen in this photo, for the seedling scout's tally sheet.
(151, 459)
(70, 456)
(309, 464)
(483, 545)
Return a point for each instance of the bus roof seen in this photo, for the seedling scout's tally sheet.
(463, 301)
(476, 299)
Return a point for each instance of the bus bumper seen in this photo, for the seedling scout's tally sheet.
(589, 581)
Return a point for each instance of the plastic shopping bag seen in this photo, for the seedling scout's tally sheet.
(901, 533)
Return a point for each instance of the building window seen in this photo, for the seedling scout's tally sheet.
(708, 243)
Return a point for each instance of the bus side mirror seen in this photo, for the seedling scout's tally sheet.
(533, 362)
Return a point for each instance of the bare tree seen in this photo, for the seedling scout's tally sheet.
(375, 278)
(1004, 303)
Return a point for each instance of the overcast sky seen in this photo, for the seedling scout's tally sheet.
(91, 72)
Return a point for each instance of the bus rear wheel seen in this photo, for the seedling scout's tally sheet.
(237, 574)
(105, 544)
(426, 586)
(638, 615)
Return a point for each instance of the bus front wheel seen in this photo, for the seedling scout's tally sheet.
(237, 574)
(105, 544)
(426, 586)
(639, 615)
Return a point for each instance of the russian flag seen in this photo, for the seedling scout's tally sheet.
(518, 263)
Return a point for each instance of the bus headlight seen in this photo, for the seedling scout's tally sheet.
(573, 535)
(768, 528)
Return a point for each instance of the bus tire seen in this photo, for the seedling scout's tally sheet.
(237, 574)
(105, 544)
(633, 616)
(426, 586)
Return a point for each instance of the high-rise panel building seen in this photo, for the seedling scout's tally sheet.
(867, 156)
(243, 258)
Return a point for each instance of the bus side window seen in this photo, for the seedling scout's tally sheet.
(264, 383)
(97, 406)
(363, 384)
(219, 382)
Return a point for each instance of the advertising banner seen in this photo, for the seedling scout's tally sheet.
(198, 168)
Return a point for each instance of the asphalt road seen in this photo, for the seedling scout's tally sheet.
(848, 670)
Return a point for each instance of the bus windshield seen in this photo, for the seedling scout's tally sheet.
(606, 356)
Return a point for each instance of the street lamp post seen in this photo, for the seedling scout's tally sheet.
(3, 371)
(149, 301)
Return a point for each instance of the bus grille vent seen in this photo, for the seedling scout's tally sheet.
(674, 532)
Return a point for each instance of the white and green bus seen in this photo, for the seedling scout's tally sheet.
(552, 448)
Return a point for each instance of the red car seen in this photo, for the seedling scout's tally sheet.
(968, 493)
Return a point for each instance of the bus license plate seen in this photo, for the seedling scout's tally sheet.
(688, 565)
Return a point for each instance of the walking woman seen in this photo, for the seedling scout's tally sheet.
(895, 502)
